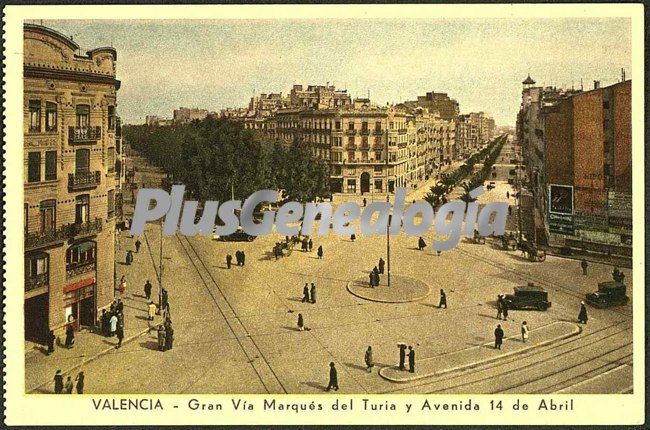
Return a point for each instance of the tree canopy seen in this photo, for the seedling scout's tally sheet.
(211, 156)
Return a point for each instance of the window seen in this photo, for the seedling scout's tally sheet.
(351, 141)
(82, 209)
(352, 185)
(34, 167)
(36, 271)
(378, 185)
(378, 125)
(47, 215)
(110, 160)
(350, 155)
(378, 155)
(111, 117)
(80, 254)
(111, 203)
(338, 125)
(83, 116)
(82, 160)
(34, 116)
(364, 126)
(50, 116)
(50, 165)
(350, 126)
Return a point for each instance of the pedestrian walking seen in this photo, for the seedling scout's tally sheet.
(365, 202)
(113, 324)
(238, 257)
(147, 290)
(58, 382)
(312, 293)
(137, 246)
(161, 337)
(411, 359)
(381, 265)
(169, 336)
(443, 299)
(301, 322)
(353, 237)
(69, 335)
(498, 337)
(151, 308)
(120, 335)
(584, 265)
(524, 331)
(371, 279)
(229, 260)
(402, 355)
(368, 359)
(334, 382)
(438, 252)
(79, 382)
(582, 316)
(243, 258)
(499, 307)
(50, 342)
(319, 252)
(129, 257)
(164, 299)
(504, 305)
(305, 294)
(376, 276)
(507, 194)
(119, 306)
(310, 245)
(68, 385)
(421, 244)
(509, 210)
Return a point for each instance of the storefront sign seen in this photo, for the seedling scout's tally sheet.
(561, 224)
(560, 199)
(590, 222)
(619, 205)
(78, 285)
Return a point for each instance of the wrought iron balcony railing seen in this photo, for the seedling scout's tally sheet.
(83, 180)
(33, 282)
(84, 135)
(75, 269)
(47, 238)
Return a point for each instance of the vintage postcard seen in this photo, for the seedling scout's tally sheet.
(341, 214)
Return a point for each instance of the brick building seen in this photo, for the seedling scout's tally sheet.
(72, 172)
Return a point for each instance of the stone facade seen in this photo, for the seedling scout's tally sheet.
(73, 168)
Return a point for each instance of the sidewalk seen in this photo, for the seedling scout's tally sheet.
(482, 354)
(40, 368)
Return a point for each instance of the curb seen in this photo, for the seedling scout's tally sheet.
(415, 299)
(87, 360)
(576, 332)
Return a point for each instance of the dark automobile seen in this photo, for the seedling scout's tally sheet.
(528, 297)
(238, 236)
(610, 293)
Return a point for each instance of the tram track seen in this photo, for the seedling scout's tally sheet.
(270, 381)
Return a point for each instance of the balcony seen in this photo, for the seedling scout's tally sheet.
(84, 135)
(378, 132)
(83, 180)
(365, 132)
(87, 228)
(46, 238)
(36, 281)
(364, 147)
(402, 131)
(351, 147)
(76, 269)
(351, 132)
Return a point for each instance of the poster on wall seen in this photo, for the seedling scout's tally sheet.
(560, 199)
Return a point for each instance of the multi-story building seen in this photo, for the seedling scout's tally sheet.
(318, 97)
(577, 149)
(472, 131)
(184, 115)
(73, 170)
(265, 104)
(446, 107)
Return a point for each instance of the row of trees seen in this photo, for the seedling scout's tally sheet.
(213, 156)
(437, 193)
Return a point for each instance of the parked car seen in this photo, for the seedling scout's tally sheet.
(609, 293)
(238, 236)
(530, 296)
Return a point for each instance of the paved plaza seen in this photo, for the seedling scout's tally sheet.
(236, 329)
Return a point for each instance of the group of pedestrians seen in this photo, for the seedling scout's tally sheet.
(66, 388)
(306, 245)
(502, 307)
(373, 276)
(112, 321)
(309, 294)
(403, 355)
(240, 259)
(165, 335)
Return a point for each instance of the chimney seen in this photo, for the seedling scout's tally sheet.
(596, 85)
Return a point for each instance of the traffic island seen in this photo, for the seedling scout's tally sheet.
(482, 354)
(403, 289)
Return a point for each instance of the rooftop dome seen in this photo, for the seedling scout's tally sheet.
(528, 81)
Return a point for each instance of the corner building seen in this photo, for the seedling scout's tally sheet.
(72, 172)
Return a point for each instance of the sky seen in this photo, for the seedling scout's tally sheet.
(480, 62)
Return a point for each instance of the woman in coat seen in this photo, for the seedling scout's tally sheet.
(69, 336)
(582, 316)
(80, 383)
(368, 359)
(301, 322)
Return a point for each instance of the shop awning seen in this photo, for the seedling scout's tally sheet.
(79, 284)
